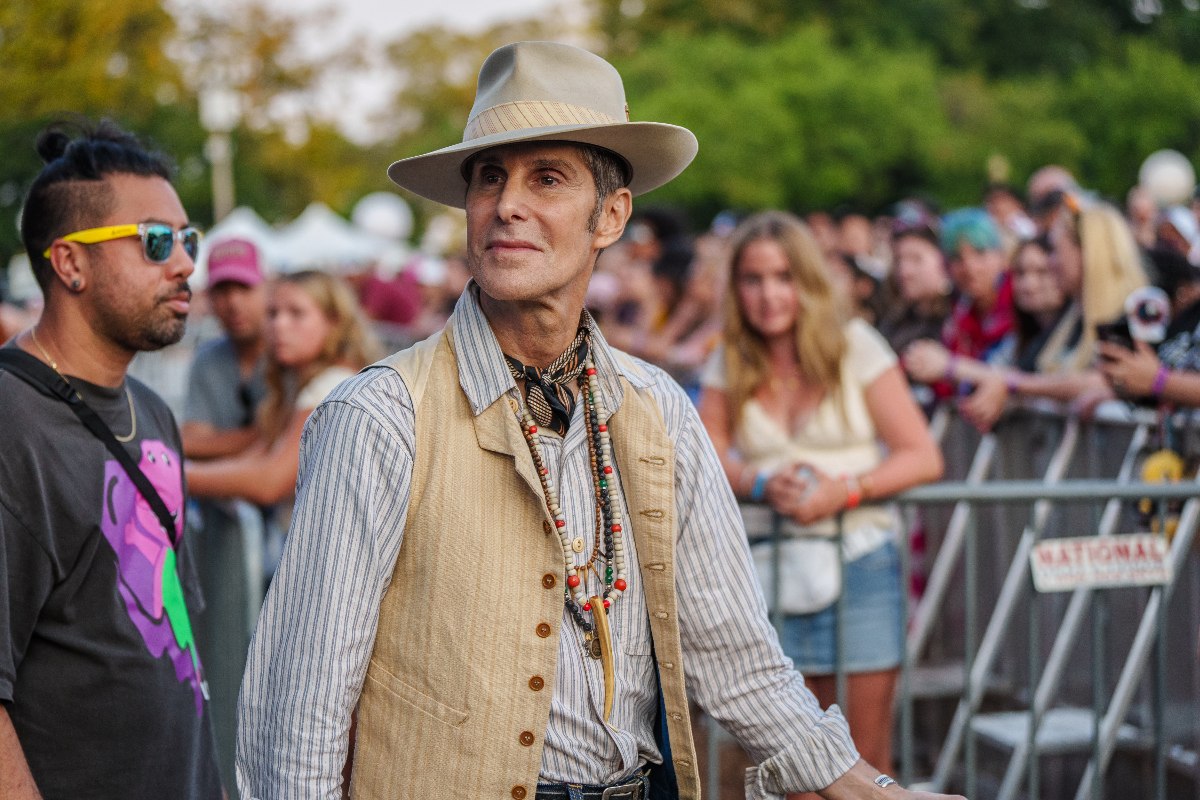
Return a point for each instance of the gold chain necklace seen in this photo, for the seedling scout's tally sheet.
(128, 396)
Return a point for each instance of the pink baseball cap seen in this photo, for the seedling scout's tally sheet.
(236, 260)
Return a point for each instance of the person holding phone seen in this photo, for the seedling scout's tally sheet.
(1096, 260)
(1168, 372)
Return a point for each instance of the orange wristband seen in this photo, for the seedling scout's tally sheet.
(853, 492)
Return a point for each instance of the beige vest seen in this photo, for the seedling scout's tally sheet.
(457, 692)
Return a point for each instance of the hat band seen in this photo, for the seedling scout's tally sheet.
(527, 114)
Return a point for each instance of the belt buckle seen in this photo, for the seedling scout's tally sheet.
(626, 791)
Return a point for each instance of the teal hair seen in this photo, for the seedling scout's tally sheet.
(972, 225)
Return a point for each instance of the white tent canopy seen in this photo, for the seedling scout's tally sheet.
(320, 239)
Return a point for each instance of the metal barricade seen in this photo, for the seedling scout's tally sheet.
(1001, 654)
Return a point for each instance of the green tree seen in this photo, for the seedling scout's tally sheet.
(265, 55)
(63, 58)
(1147, 100)
(997, 37)
(795, 122)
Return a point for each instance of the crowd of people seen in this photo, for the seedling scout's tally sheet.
(808, 349)
(983, 305)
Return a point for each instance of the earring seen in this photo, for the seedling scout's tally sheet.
(75, 285)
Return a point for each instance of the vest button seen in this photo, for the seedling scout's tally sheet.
(536, 683)
(518, 793)
(543, 630)
(526, 738)
(548, 580)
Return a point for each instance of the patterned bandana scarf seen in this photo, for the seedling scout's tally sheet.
(548, 394)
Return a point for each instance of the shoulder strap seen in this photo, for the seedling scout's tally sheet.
(51, 384)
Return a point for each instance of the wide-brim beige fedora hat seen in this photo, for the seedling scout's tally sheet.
(547, 91)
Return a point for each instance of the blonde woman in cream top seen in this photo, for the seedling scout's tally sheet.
(836, 438)
(811, 418)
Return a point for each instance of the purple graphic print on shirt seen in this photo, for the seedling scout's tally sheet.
(146, 569)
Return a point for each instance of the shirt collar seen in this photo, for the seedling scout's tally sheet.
(484, 377)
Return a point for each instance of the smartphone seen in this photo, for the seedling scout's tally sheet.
(1115, 333)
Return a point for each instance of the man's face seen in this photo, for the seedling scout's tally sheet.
(528, 208)
(137, 304)
(241, 310)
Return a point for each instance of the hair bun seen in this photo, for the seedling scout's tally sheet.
(52, 144)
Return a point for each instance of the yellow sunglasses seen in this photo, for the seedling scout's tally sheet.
(158, 239)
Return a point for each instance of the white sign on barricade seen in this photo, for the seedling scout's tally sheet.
(1133, 559)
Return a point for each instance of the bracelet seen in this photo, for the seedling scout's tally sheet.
(853, 492)
(952, 369)
(758, 491)
(1160, 381)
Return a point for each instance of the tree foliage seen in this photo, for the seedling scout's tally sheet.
(858, 101)
(996, 37)
(131, 61)
(63, 59)
(796, 103)
(791, 122)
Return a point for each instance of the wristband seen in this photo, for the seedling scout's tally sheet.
(1011, 383)
(758, 491)
(853, 492)
(1160, 381)
(952, 369)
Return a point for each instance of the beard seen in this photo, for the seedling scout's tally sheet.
(146, 329)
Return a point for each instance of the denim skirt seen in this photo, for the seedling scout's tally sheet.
(872, 620)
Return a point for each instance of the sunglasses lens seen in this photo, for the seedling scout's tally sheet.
(158, 241)
(191, 242)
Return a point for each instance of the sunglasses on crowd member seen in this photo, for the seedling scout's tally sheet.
(158, 239)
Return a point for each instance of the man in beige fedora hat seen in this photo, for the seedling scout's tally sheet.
(513, 542)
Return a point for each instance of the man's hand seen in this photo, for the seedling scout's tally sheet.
(859, 784)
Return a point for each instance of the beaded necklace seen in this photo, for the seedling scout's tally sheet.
(604, 483)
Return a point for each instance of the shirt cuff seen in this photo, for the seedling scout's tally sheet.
(819, 758)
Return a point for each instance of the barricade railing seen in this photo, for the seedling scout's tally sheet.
(1092, 465)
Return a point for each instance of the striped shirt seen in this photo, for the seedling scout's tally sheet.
(317, 627)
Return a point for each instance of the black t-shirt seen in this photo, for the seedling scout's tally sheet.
(98, 668)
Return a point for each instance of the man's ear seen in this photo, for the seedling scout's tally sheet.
(69, 261)
(614, 214)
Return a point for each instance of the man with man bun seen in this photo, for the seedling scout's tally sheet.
(102, 693)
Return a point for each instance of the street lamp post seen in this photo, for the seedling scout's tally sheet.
(220, 109)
